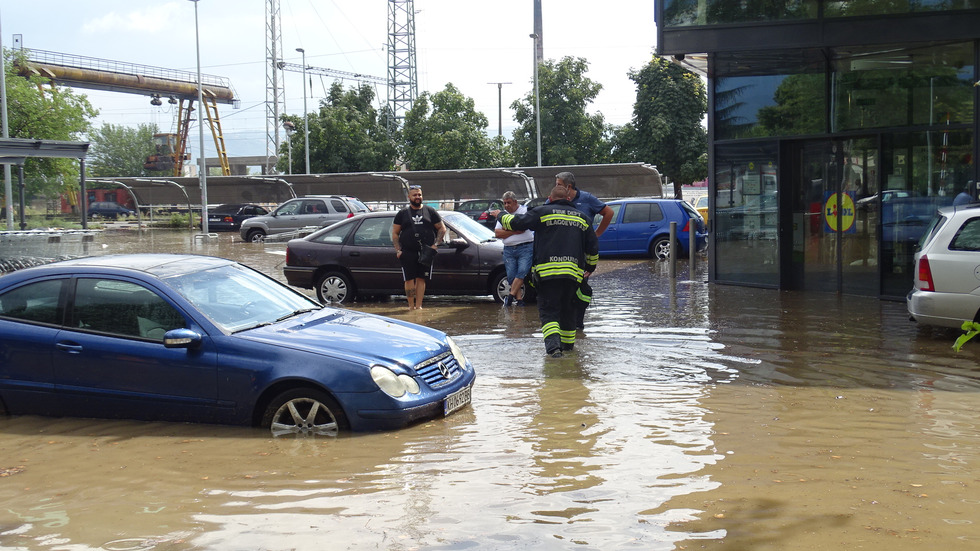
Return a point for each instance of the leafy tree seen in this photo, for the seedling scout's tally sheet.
(666, 129)
(346, 135)
(37, 110)
(118, 150)
(501, 153)
(444, 131)
(569, 135)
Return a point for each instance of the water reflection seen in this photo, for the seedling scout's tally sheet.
(689, 416)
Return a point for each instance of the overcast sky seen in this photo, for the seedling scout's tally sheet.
(470, 44)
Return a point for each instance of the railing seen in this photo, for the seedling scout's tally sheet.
(122, 67)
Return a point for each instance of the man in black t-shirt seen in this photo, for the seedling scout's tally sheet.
(416, 227)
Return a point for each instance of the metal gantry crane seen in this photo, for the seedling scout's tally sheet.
(157, 82)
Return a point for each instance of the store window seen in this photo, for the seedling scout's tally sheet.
(746, 216)
(890, 86)
(847, 8)
(773, 95)
(922, 171)
(678, 13)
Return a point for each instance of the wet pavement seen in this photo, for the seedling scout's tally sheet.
(690, 416)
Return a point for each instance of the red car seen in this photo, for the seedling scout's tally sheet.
(355, 257)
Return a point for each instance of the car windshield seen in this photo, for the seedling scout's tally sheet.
(236, 298)
(469, 228)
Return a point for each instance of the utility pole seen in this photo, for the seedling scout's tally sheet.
(500, 106)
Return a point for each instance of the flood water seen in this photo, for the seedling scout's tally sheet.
(690, 416)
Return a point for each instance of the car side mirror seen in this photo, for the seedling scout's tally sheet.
(182, 338)
(458, 243)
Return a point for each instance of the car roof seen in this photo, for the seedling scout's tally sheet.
(157, 264)
(952, 209)
(643, 200)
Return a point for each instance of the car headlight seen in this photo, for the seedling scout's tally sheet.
(457, 353)
(394, 385)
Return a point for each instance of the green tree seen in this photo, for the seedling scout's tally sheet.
(569, 135)
(666, 129)
(38, 110)
(118, 150)
(444, 131)
(346, 135)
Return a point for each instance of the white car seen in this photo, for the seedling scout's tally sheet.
(947, 269)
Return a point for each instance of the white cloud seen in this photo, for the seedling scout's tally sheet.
(152, 19)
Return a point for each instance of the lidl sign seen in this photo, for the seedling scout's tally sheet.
(838, 212)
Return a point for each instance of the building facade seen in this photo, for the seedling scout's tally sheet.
(836, 128)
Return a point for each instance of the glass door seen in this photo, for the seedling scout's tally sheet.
(835, 217)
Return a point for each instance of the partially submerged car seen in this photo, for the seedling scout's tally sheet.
(229, 217)
(301, 212)
(203, 339)
(356, 257)
(642, 227)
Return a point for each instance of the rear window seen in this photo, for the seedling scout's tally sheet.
(934, 225)
(967, 238)
(691, 211)
(357, 206)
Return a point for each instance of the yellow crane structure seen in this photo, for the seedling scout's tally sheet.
(179, 87)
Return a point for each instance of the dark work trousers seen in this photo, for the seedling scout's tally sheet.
(556, 308)
(583, 298)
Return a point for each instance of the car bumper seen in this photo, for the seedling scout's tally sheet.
(942, 309)
(364, 417)
(299, 276)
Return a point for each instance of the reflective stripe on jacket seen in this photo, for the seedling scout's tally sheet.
(565, 245)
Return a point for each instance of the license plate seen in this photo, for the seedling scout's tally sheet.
(457, 400)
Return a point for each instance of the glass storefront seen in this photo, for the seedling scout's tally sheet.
(855, 196)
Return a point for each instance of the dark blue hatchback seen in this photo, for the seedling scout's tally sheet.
(203, 339)
(642, 227)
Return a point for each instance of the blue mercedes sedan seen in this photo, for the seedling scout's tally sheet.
(202, 339)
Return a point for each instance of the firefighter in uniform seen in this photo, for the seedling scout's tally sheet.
(566, 250)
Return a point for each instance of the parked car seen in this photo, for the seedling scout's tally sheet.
(701, 205)
(356, 257)
(313, 210)
(203, 339)
(947, 269)
(479, 210)
(108, 209)
(537, 201)
(642, 226)
(229, 217)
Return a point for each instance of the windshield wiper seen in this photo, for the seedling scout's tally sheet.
(295, 313)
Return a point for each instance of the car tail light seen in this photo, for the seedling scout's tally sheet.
(925, 275)
(350, 215)
(484, 215)
(228, 219)
(290, 257)
(687, 226)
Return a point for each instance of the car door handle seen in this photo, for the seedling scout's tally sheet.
(355, 253)
(69, 347)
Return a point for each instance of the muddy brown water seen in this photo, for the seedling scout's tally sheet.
(691, 416)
